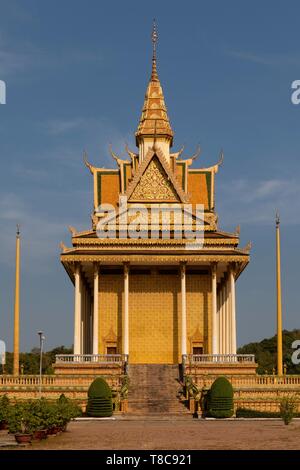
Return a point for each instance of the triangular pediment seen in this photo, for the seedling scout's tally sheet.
(154, 182)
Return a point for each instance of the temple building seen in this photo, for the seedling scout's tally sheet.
(155, 299)
(154, 287)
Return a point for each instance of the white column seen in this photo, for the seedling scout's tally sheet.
(233, 311)
(84, 348)
(227, 317)
(183, 309)
(82, 315)
(220, 321)
(77, 311)
(96, 310)
(126, 310)
(214, 328)
(223, 319)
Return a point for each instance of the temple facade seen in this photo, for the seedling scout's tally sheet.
(160, 295)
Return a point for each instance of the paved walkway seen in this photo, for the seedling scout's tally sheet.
(174, 434)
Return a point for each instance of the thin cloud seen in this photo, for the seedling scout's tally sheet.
(268, 59)
(26, 56)
(252, 202)
(41, 232)
(62, 126)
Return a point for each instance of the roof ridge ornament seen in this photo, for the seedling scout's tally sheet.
(115, 157)
(190, 160)
(154, 38)
(86, 162)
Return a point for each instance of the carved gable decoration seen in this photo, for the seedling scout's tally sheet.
(155, 185)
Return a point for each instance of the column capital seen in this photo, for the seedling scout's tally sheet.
(232, 267)
(77, 267)
(96, 266)
(126, 266)
(213, 267)
(182, 268)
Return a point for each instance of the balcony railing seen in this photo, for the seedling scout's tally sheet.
(195, 359)
(91, 358)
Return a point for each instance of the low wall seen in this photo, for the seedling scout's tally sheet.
(52, 386)
(255, 392)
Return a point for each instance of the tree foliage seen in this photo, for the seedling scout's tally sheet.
(30, 361)
(266, 352)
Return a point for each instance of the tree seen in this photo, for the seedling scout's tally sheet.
(266, 352)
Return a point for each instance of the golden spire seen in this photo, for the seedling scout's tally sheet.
(154, 120)
(154, 37)
(17, 307)
(279, 311)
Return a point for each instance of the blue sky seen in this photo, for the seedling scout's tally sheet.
(76, 74)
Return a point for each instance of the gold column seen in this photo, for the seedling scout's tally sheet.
(279, 311)
(17, 307)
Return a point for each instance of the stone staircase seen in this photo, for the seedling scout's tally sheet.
(154, 389)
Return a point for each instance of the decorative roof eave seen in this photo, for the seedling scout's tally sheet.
(143, 166)
(148, 242)
(154, 259)
(158, 249)
(213, 168)
(78, 235)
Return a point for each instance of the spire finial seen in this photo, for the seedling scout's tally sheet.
(154, 38)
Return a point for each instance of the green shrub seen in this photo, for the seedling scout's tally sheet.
(20, 419)
(4, 409)
(67, 409)
(99, 389)
(35, 415)
(99, 399)
(248, 413)
(220, 399)
(287, 409)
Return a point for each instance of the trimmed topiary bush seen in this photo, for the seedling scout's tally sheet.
(99, 399)
(220, 399)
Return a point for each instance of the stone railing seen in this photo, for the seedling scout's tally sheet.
(219, 358)
(24, 381)
(251, 381)
(91, 358)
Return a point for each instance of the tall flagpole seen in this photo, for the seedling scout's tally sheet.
(17, 307)
(279, 310)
